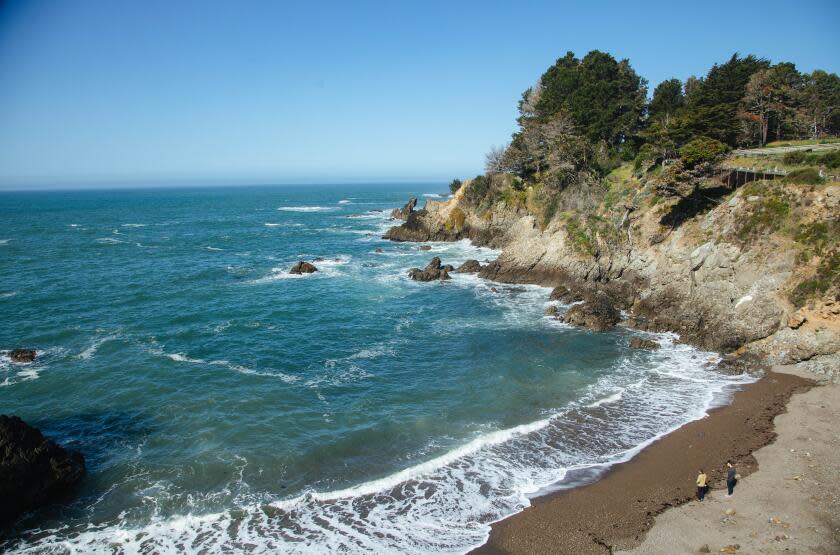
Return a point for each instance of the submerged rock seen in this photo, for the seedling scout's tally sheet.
(552, 311)
(303, 268)
(22, 355)
(33, 469)
(425, 247)
(404, 212)
(639, 343)
(597, 313)
(434, 270)
(469, 267)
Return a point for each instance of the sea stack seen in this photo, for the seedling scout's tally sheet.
(33, 469)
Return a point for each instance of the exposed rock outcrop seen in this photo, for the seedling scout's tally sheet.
(433, 271)
(22, 355)
(469, 267)
(564, 295)
(404, 212)
(639, 343)
(33, 469)
(303, 267)
(596, 313)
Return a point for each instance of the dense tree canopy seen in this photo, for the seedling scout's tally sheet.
(585, 115)
(604, 98)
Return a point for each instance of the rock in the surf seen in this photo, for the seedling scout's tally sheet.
(425, 248)
(596, 313)
(639, 343)
(551, 311)
(22, 355)
(33, 469)
(469, 267)
(404, 212)
(564, 295)
(434, 270)
(303, 267)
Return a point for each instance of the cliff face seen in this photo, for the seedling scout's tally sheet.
(719, 268)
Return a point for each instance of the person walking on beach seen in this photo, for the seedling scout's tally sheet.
(730, 478)
(701, 485)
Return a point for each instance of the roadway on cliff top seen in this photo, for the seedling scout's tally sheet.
(783, 149)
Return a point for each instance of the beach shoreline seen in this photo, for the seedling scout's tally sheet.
(615, 511)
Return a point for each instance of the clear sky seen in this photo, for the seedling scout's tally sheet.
(153, 92)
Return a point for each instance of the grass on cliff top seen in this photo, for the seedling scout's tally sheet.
(803, 142)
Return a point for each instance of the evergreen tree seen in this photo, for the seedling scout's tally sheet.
(712, 106)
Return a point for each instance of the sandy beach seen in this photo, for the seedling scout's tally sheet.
(785, 502)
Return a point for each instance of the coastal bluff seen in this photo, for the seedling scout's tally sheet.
(669, 265)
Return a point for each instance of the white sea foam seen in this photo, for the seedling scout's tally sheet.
(306, 208)
(182, 357)
(8, 294)
(134, 225)
(4, 241)
(213, 248)
(109, 241)
(433, 195)
(606, 400)
(91, 349)
(345, 201)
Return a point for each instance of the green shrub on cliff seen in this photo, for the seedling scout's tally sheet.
(579, 237)
(701, 149)
(766, 216)
(826, 276)
(477, 189)
(805, 176)
(455, 185)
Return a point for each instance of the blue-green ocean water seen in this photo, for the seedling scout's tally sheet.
(225, 406)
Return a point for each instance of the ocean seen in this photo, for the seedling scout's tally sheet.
(224, 405)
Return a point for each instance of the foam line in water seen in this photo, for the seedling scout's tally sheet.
(306, 208)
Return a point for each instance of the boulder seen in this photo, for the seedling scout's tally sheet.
(433, 271)
(33, 469)
(303, 268)
(22, 355)
(379, 251)
(639, 343)
(469, 267)
(564, 295)
(596, 313)
(551, 311)
(404, 212)
(425, 247)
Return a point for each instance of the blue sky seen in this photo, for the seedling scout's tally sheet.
(152, 92)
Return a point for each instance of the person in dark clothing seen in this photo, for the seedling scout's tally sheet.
(730, 478)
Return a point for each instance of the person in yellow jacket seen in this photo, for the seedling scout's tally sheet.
(701, 485)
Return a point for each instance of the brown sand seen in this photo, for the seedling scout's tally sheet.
(790, 506)
(616, 511)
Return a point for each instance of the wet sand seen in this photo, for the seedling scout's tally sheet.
(615, 512)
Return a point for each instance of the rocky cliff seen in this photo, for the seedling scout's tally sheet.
(746, 269)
